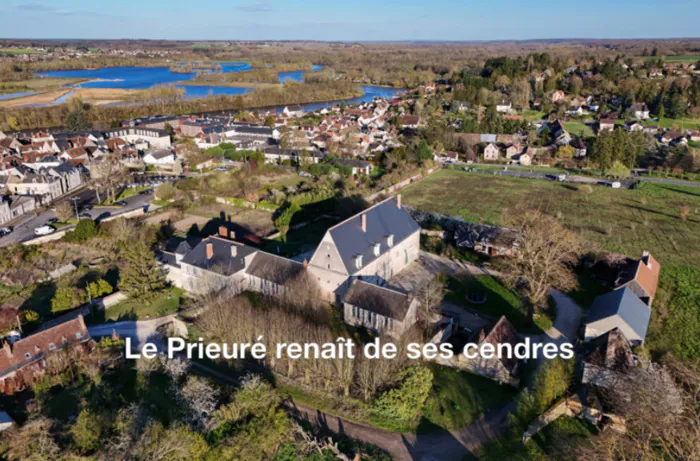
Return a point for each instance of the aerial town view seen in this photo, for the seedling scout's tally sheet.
(307, 231)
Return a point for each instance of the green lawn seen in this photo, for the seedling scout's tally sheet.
(693, 58)
(682, 123)
(578, 128)
(167, 302)
(615, 220)
(459, 398)
(533, 115)
(499, 301)
(130, 192)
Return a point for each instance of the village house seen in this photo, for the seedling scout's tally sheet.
(641, 276)
(159, 158)
(506, 369)
(621, 309)
(606, 124)
(486, 239)
(504, 107)
(633, 126)
(380, 309)
(606, 358)
(558, 96)
(358, 167)
(375, 244)
(410, 121)
(22, 360)
(491, 152)
(221, 263)
(640, 111)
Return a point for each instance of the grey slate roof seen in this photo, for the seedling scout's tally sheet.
(224, 261)
(382, 301)
(254, 130)
(622, 309)
(273, 268)
(383, 219)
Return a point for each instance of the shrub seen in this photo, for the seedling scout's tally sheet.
(84, 231)
(64, 299)
(99, 288)
(165, 191)
(404, 403)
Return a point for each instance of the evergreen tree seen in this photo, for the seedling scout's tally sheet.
(139, 272)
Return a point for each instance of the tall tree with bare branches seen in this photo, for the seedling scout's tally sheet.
(546, 252)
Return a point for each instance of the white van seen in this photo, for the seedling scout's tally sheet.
(44, 230)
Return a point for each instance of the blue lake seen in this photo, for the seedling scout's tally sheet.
(140, 78)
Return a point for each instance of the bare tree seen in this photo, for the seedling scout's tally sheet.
(108, 173)
(64, 211)
(660, 407)
(199, 401)
(431, 293)
(546, 250)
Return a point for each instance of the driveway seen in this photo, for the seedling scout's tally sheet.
(140, 331)
(430, 265)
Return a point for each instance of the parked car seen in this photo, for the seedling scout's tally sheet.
(52, 220)
(615, 184)
(85, 215)
(87, 207)
(44, 230)
(121, 203)
(5, 230)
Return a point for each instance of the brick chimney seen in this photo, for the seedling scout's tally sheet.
(398, 201)
(364, 222)
(223, 232)
(210, 250)
(7, 348)
(410, 296)
(306, 263)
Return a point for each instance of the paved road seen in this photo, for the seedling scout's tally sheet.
(566, 324)
(24, 228)
(140, 331)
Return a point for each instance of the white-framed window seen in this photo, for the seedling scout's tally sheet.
(358, 261)
(390, 240)
(27, 355)
(377, 249)
(78, 335)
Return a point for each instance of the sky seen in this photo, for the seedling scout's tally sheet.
(356, 20)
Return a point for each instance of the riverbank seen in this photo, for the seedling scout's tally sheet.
(243, 85)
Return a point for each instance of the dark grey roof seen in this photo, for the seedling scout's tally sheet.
(351, 162)
(273, 268)
(224, 260)
(256, 130)
(159, 154)
(292, 152)
(214, 129)
(382, 301)
(624, 304)
(383, 219)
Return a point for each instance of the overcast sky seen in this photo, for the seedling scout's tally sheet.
(350, 20)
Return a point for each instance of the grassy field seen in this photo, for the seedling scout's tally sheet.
(458, 398)
(672, 58)
(578, 129)
(165, 303)
(256, 85)
(683, 123)
(624, 221)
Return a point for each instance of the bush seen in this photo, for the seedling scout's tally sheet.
(64, 299)
(88, 431)
(99, 288)
(404, 403)
(165, 191)
(84, 231)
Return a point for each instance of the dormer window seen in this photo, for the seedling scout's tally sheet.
(27, 355)
(52, 346)
(390, 240)
(358, 261)
(78, 335)
(377, 249)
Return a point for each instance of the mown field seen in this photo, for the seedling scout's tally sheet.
(624, 221)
